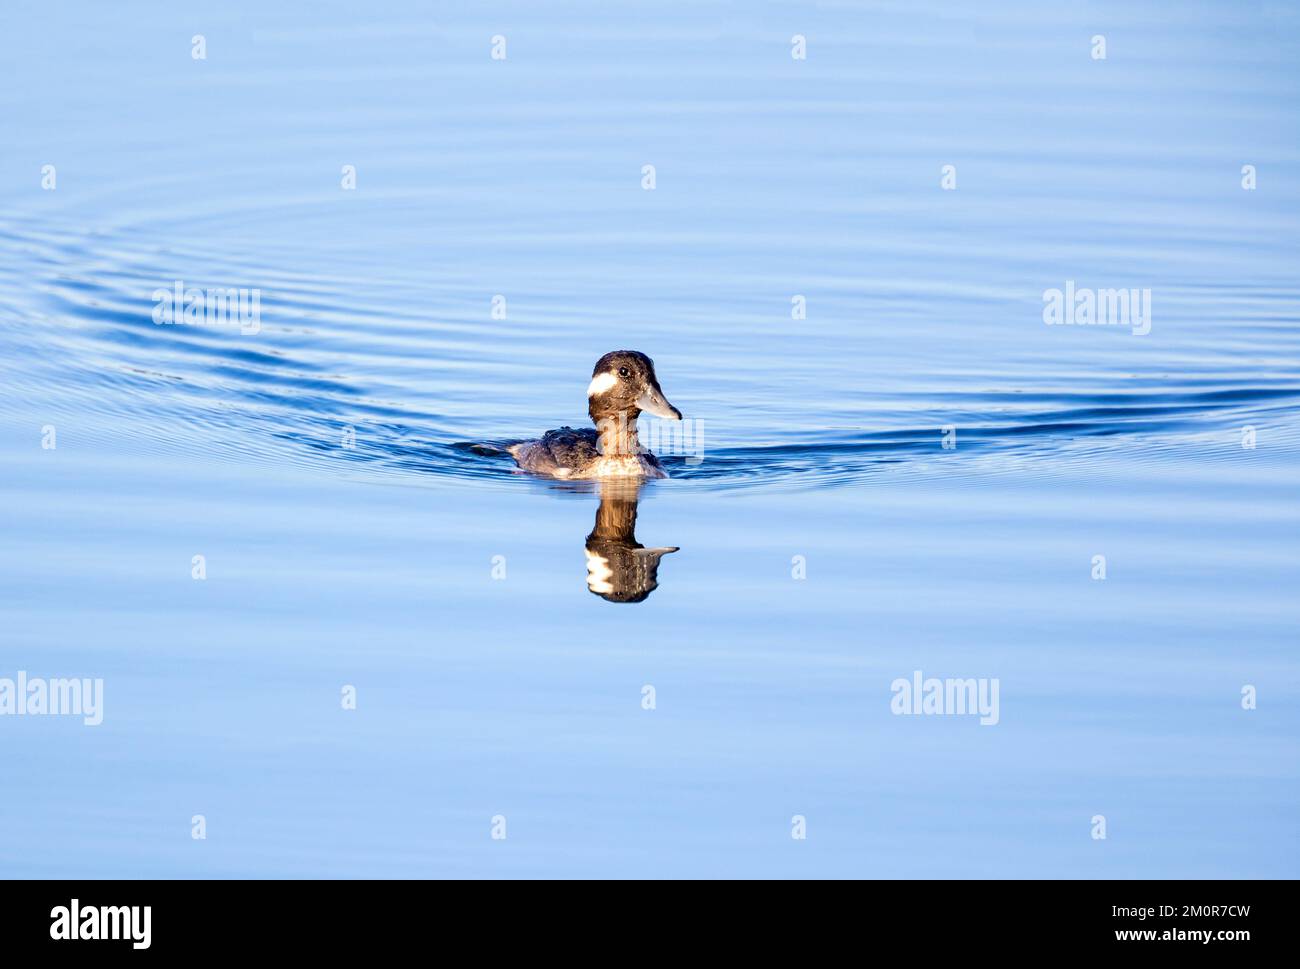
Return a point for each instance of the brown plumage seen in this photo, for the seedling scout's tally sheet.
(619, 568)
(623, 385)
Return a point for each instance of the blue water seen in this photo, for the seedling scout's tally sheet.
(453, 594)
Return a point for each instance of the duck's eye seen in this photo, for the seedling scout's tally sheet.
(624, 372)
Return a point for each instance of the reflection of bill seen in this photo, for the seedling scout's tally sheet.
(619, 569)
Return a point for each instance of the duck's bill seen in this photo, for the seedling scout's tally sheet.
(652, 402)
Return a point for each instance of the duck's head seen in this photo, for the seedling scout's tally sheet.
(624, 382)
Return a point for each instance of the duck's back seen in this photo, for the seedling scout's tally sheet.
(563, 453)
(570, 453)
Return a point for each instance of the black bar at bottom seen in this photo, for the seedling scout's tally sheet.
(333, 918)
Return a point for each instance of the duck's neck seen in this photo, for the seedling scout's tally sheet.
(615, 521)
(617, 433)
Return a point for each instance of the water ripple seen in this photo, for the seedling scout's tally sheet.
(392, 376)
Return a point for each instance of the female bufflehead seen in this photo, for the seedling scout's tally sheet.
(623, 384)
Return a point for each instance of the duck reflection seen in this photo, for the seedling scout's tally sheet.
(619, 568)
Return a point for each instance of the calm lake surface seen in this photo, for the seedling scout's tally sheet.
(834, 537)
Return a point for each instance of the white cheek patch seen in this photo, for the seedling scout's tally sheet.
(599, 573)
(601, 383)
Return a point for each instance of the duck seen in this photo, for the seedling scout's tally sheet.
(623, 386)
